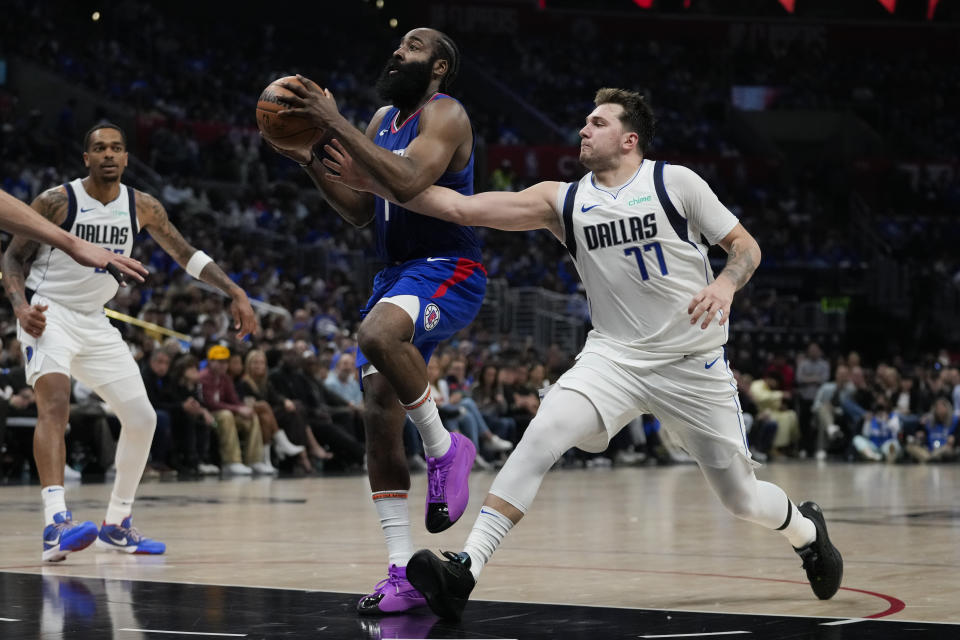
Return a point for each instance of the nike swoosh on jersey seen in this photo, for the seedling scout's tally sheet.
(710, 364)
(437, 259)
(85, 210)
(584, 208)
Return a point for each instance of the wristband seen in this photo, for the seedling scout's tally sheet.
(197, 262)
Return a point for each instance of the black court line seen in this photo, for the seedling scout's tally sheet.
(47, 606)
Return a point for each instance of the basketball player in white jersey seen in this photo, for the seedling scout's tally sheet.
(19, 219)
(64, 332)
(633, 228)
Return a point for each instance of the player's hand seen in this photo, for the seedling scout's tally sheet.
(301, 156)
(32, 320)
(90, 255)
(310, 101)
(244, 319)
(717, 296)
(344, 170)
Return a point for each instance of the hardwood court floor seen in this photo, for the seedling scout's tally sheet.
(638, 537)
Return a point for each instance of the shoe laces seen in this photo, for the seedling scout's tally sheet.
(436, 480)
(61, 527)
(132, 533)
(453, 556)
(393, 579)
(810, 557)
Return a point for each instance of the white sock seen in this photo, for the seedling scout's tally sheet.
(54, 501)
(395, 522)
(118, 509)
(423, 412)
(487, 534)
(800, 531)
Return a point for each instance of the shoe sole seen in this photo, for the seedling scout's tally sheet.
(812, 511)
(59, 555)
(107, 546)
(425, 573)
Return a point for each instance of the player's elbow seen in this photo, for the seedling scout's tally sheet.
(757, 255)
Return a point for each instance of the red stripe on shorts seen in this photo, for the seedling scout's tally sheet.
(463, 270)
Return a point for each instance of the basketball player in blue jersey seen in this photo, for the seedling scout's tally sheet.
(64, 332)
(432, 286)
(634, 228)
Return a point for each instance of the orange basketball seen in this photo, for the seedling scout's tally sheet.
(288, 132)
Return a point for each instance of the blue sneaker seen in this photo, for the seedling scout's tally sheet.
(125, 538)
(63, 537)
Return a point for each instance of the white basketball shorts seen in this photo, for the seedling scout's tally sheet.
(83, 345)
(695, 399)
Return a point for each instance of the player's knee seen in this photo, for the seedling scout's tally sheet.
(372, 341)
(741, 505)
(538, 449)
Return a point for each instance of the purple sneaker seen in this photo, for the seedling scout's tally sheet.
(395, 594)
(448, 490)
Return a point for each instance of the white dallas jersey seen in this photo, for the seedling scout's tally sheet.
(113, 226)
(639, 252)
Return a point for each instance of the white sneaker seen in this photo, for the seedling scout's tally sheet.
(283, 447)
(238, 469)
(821, 454)
(264, 468)
(479, 464)
(69, 473)
(497, 444)
(206, 469)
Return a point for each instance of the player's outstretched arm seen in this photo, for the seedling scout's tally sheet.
(153, 217)
(533, 208)
(743, 258)
(24, 223)
(443, 128)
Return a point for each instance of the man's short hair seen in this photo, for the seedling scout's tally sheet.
(637, 115)
(102, 125)
(446, 48)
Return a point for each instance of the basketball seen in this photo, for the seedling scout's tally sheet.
(288, 132)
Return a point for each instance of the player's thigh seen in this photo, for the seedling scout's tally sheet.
(104, 359)
(699, 408)
(614, 392)
(53, 352)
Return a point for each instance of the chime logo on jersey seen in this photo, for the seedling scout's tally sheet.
(431, 316)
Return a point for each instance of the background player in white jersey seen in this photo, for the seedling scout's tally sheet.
(633, 228)
(64, 332)
(19, 219)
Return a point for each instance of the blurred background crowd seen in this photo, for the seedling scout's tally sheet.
(835, 149)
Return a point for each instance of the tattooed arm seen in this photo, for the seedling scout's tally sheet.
(52, 205)
(153, 218)
(743, 257)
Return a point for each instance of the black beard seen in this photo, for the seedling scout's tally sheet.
(406, 88)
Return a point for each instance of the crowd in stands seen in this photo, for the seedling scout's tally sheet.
(289, 398)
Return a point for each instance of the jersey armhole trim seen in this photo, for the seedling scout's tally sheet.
(67, 224)
(677, 221)
(569, 238)
(134, 227)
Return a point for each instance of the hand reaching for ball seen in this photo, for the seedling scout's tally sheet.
(309, 101)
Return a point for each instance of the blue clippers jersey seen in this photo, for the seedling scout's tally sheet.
(403, 235)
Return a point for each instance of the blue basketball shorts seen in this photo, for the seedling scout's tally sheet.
(450, 291)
